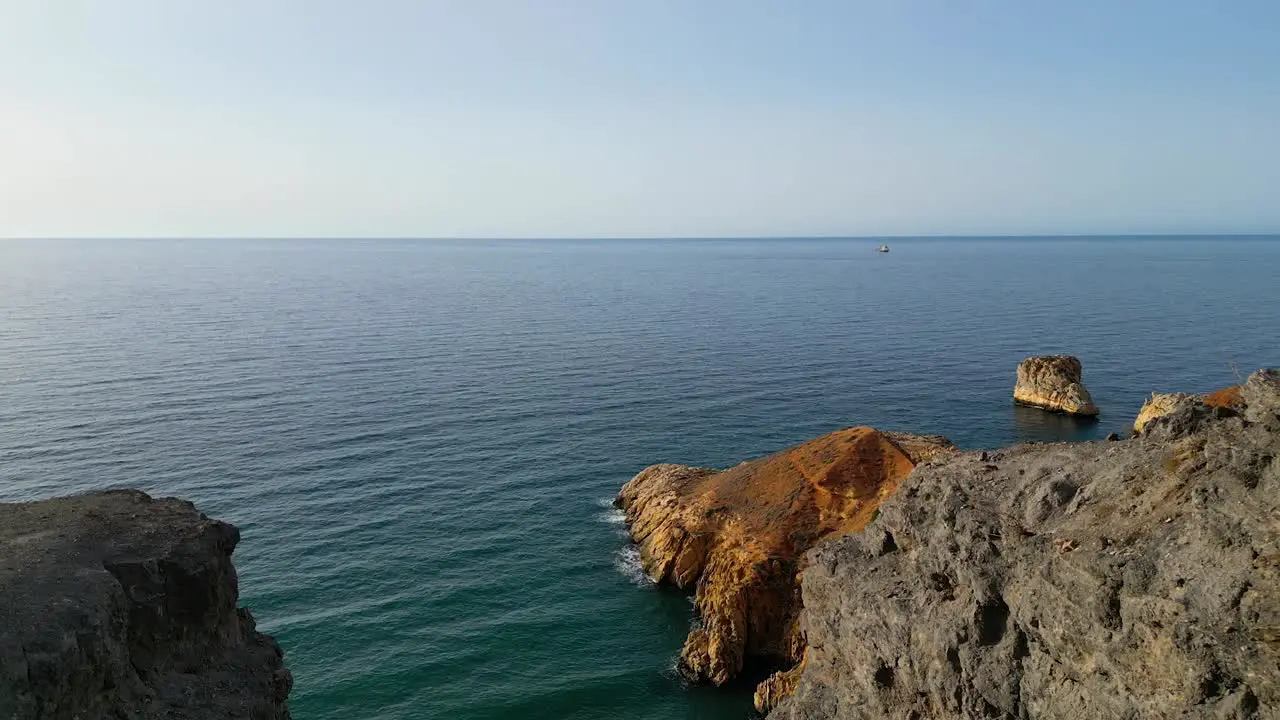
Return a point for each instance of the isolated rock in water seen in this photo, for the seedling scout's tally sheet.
(115, 605)
(1136, 579)
(1161, 404)
(1053, 382)
(739, 535)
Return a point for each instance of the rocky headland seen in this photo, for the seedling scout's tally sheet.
(1054, 382)
(1131, 579)
(118, 605)
(739, 536)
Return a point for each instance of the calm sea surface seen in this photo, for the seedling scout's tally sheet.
(419, 439)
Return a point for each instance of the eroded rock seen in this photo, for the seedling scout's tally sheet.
(1164, 404)
(117, 605)
(1136, 579)
(1053, 382)
(738, 535)
(1161, 404)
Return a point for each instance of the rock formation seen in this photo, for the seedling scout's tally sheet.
(117, 605)
(1161, 404)
(1053, 382)
(1131, 579)
(738, 535)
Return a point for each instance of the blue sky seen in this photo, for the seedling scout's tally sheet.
(555, 118)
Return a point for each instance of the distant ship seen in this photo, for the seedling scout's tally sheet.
(883, 248)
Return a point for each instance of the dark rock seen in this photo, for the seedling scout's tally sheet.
(1090, 580)
(117, 605)
(1112, 437)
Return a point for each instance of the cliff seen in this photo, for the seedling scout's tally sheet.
(739, 535)
(1132, 579)
(117, 605)
(1053, 382)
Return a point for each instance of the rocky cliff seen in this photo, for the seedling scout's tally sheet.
(1132, 579)
(1054, 382)
(117, 605)
(738, 535)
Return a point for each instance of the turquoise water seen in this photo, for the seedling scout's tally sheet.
(419, 439)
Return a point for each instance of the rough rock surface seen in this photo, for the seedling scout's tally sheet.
(117, 605)
(1161, 404)
(1133, 579)
(739, 535)
(1053, 382)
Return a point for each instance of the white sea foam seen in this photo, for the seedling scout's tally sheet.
(612, 516)
(627, 561)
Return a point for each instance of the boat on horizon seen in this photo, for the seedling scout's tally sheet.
(882, 248)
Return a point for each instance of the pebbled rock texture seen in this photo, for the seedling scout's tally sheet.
(116, 605)
(1053, 382)
(1110, 580)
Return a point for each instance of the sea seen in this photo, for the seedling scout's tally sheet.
(420, 440)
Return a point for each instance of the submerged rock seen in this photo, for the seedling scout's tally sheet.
(739, 535)
(117, 605)
(1128, 580)
(1053, 382)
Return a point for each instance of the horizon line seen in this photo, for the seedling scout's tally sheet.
(588, 238)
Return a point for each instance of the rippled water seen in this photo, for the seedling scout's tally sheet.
(419, 439)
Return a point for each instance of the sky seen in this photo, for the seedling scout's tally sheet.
(662, 118)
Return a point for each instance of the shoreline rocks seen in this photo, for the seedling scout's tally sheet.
(1054, 382)
(1110, 580)
(738, 536)
(115, 604)
(1162, 404)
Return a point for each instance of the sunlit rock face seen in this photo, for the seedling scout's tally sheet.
(738, 536)
(1053, 382)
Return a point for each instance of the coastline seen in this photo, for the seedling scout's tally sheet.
(996, 640)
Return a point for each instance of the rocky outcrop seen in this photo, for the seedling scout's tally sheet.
(1131, 579)
(738, 536)
(1053, 382)
(1161, 404)
(117, 605)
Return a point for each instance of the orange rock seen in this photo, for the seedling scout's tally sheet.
(740, 536)
(1225, 397)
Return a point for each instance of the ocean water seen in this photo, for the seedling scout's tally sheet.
(419, 440)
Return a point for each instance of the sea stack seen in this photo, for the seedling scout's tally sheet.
(117, 605)
(1053, 382)
(739, 536)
